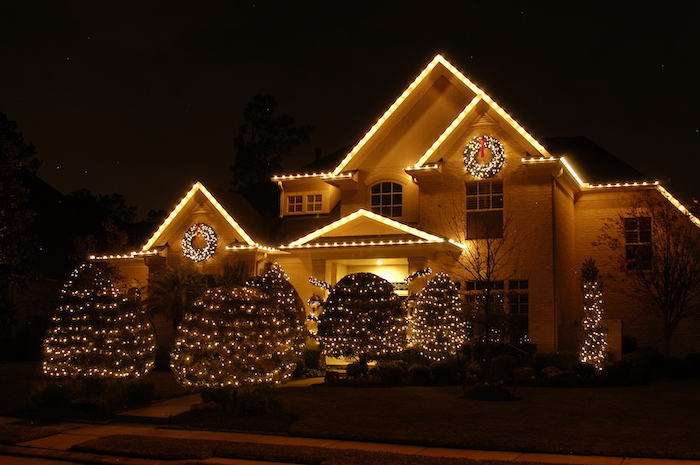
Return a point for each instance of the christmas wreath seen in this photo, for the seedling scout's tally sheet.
(475, 160)
(199, 243)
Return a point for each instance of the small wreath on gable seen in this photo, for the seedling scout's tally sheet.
(484, 156)
(199, 243)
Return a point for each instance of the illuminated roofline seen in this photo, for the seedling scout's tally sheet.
(302, 176)
(676, 203)
(126, 256)
(612, 185)
(480, 95)
(372, 216)
(195, 188)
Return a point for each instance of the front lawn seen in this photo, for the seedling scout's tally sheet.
(659, 420)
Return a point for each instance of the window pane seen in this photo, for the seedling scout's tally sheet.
(376, 188)
(396, 212)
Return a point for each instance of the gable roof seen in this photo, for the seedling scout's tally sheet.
(364, 228)
(185, 201)
(477, 102)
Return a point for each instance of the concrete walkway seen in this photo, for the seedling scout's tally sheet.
(57, 446)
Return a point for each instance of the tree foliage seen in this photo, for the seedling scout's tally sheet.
(362, 317)
(96, 332)
(668, 285)
(263, 141)
(18, 252)
(174, 289)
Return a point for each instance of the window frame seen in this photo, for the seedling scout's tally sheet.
(485, 204)
(393, 208)
(638, 234)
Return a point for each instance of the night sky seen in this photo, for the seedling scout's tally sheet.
(143, 98)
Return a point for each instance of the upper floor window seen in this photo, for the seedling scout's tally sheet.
(314, 203)
(638, 242)
(304, 203)
(295, 204)
(484, 209)
(386, 199)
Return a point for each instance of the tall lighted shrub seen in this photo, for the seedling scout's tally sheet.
(438, 326)
(96, 332)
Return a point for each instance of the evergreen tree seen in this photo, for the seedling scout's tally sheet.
(362, 317)
(595, 344)
(263, 141)
(18, 248)
(96, 332)
(438, 325)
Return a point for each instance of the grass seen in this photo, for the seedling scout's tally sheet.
(659, 420)
(177, 449)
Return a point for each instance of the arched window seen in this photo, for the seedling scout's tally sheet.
(386, 199)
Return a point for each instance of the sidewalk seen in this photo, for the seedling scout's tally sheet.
(57, 446)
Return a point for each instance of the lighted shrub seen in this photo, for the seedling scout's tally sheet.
(235, 337)
(362, 317)
(97, 333)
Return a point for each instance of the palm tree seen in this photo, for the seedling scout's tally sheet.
(172, 290)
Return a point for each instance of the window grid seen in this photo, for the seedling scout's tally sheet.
(295, 203)
(485, 195)
(314, 203)
(638, 248)
(386, 199)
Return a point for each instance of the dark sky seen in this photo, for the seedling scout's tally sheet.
(143, 98)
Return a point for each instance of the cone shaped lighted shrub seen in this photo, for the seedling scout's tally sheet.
(275, 283)
(234, 337)
(438, 325)
(96, 332)
(362, 317)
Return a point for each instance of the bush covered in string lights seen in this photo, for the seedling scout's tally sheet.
(97, 333)
(595, 344)
(438, 327)
(363, 318)
(241, 336)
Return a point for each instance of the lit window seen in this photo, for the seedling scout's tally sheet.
(484, 209)
(314, 203)
(295, 203)
(387, 199)
(638, 243)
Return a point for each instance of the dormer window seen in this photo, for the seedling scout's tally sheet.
(295, 204)
(304, 203)
(314, 203)
(386, 199)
